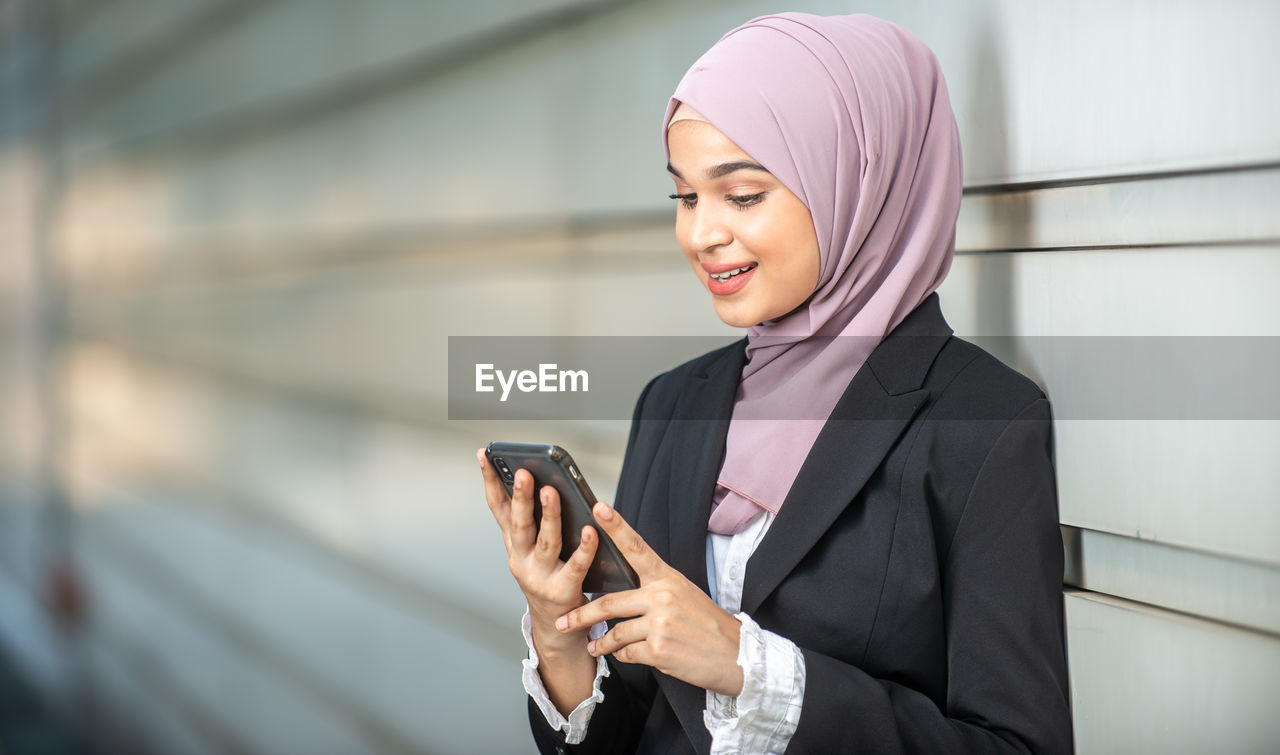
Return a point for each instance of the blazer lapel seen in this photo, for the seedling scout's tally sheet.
(862, 429)
(876, 407)
(701, 425)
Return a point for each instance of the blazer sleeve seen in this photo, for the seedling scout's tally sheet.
(618, 720)
(1002, 592)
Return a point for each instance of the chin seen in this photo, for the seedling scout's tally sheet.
(737, 319)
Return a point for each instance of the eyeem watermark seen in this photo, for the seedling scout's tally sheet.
(1085, 377)
(548, 379)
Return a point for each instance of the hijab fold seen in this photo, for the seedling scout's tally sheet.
(851, 113)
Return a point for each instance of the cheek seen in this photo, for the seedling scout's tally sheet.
(794, 258)
(813, 270)
(804, 257)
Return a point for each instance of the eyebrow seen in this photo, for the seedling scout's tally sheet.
(723, 169)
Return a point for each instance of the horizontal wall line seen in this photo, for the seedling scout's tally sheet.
(285, 390)
(1226, 207)
(1231, 243)
(433, 608)
(1129, 604)
(133, 67)
(1113, 178)
(1222, 588)
(441, 245)
(1254, 605)
(362, 270)
(264, 120)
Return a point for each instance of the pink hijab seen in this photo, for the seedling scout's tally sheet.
(851, 113)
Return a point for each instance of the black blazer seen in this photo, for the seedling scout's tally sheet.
(916, 560)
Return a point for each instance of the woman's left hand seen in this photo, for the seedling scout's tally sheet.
(677, 628)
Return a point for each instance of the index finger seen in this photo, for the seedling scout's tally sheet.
(648, 564)
(613, 605)
(495, 492)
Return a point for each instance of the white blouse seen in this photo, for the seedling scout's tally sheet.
(763, 717)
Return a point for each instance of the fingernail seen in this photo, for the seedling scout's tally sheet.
(604, 512)
(591, 647)
(562, 623)
(480, 458)
(519, 482)
(546, 497)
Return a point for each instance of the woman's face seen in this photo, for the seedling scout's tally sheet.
(731, 214)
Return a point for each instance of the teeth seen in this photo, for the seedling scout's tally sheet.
(731, 273)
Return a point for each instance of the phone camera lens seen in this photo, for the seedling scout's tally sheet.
(504, 469)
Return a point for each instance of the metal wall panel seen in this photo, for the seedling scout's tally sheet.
(270, 216)
(271, 51)
(349, 167)
(1146, 680)
(1225, 588)
(1203, 483)
(362, 658)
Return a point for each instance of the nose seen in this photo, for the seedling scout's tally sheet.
(708, 228)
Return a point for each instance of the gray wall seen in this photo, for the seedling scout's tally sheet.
(238, 234)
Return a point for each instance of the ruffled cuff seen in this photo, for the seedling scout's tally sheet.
(763, 717)
(575, 726)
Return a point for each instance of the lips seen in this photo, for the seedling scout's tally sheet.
(727, 274)
(725, 267)
(735, 280)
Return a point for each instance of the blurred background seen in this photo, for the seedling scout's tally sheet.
(234, 514)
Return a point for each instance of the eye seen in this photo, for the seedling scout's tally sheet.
(688, 200)
(743, 201)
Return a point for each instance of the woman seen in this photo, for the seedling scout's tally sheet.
(848, 538)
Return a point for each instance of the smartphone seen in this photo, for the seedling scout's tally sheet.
(552, 465)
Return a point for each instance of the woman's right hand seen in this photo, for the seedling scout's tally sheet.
(552, 587)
